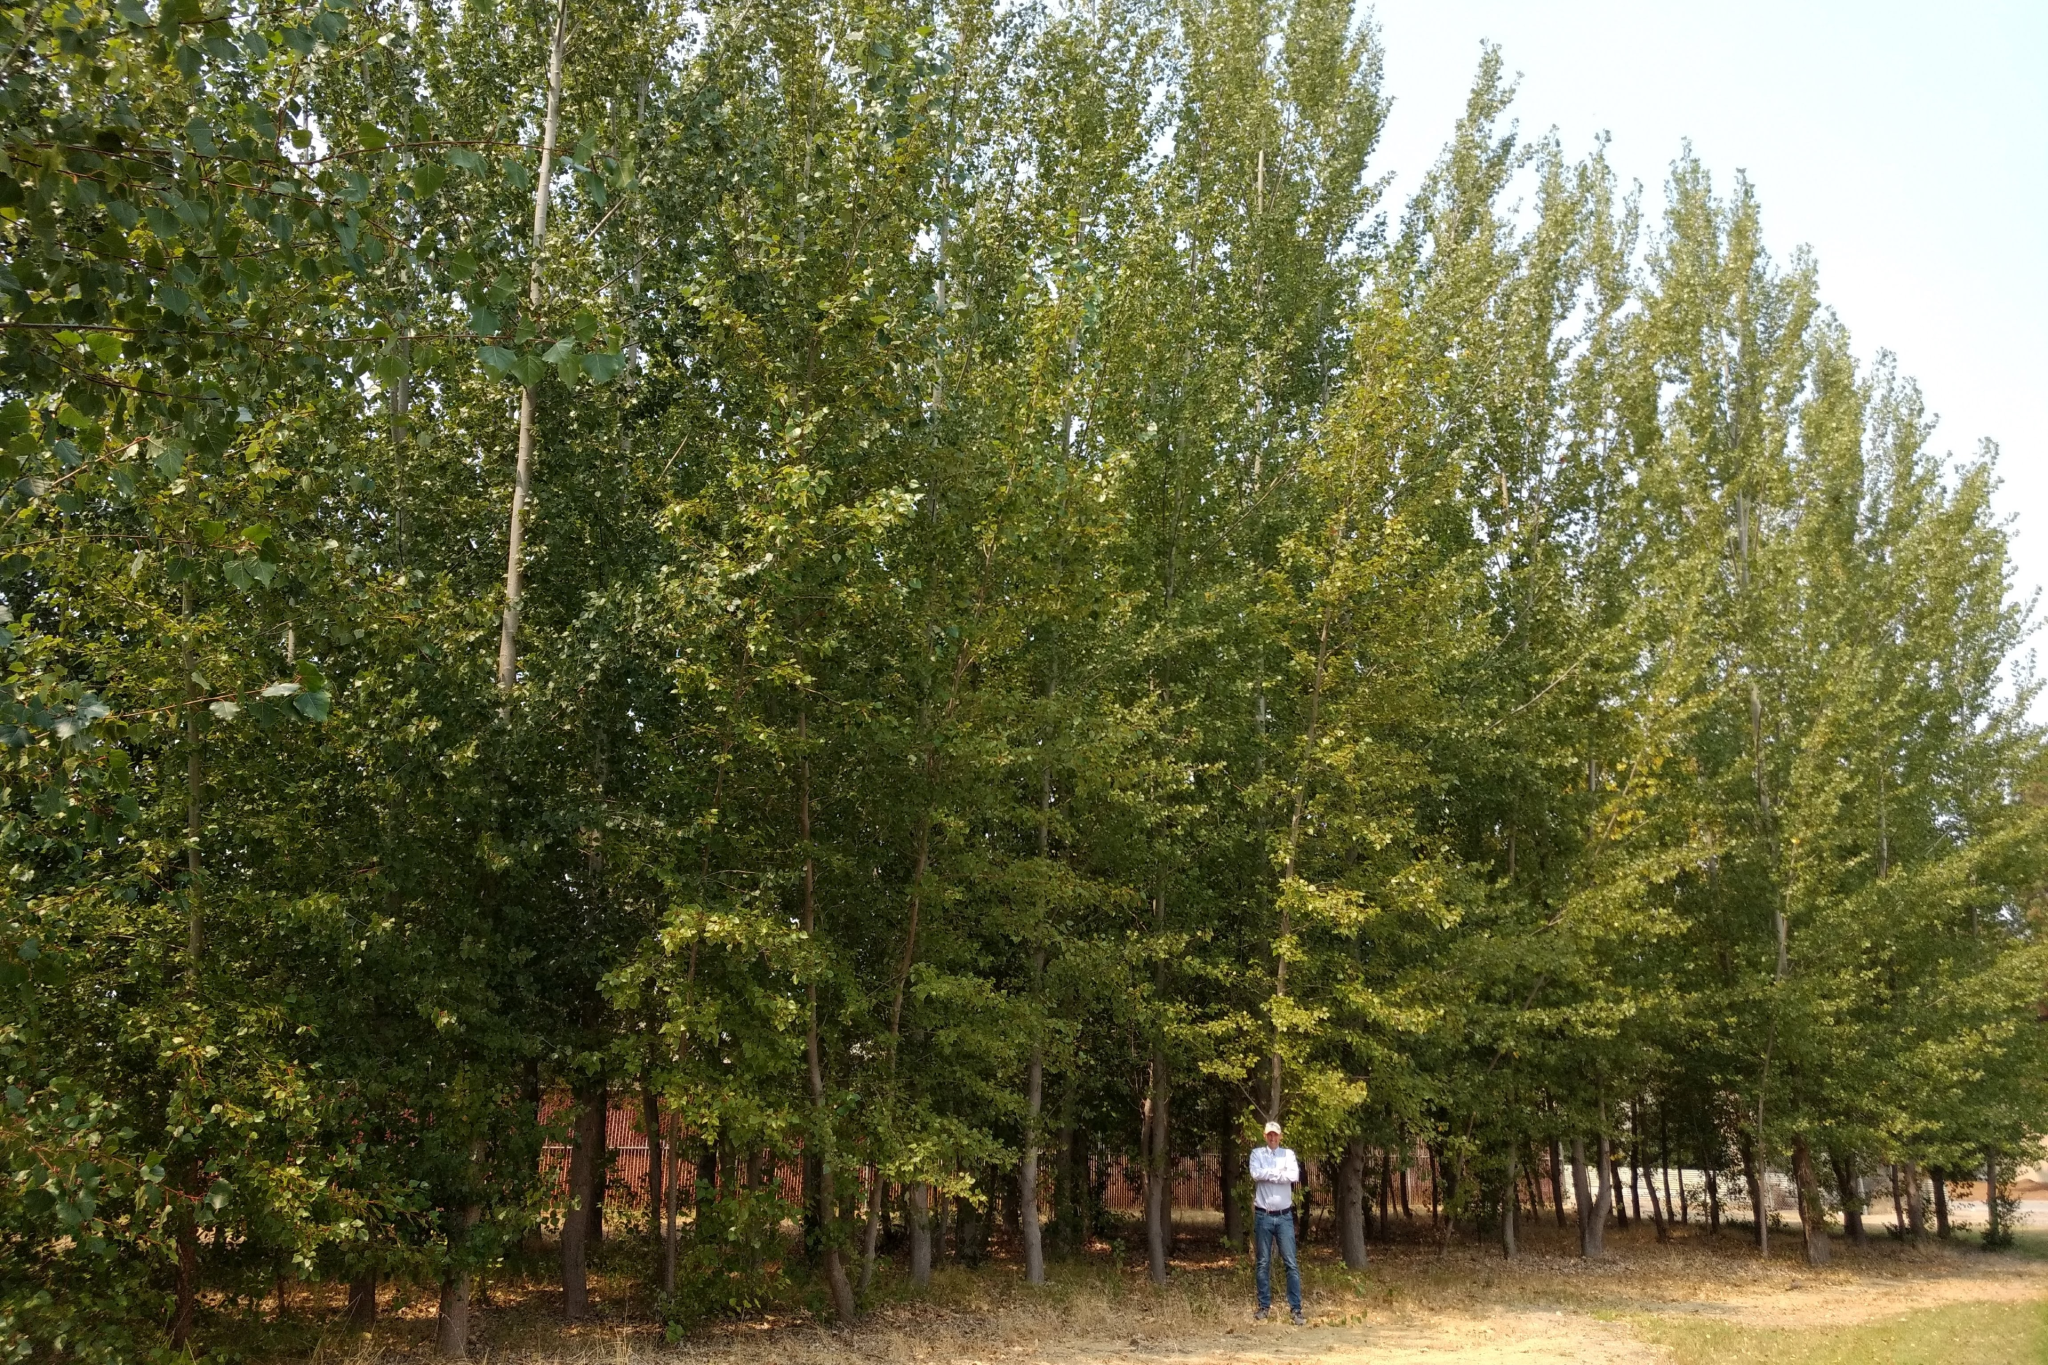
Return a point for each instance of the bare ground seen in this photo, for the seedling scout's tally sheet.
(1415, 1303)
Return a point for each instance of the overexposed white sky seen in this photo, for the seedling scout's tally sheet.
(1907, 144)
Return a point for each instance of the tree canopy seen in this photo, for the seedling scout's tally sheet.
(1044, 617)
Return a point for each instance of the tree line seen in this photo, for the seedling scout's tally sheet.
(940, 590)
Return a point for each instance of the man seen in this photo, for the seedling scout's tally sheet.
(1275, 1173)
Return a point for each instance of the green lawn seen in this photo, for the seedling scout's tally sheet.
(1962, 1334)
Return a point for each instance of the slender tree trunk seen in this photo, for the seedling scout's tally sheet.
(1940, 1182)
(1813, 1220)
(668, 1232)
(1612, 1160)
(1603, 1201)
(1592, 1241)
(1916, 1211)
(1713, 1204)
(586, 1157)
(835, 1265)
(1557, 1180)
(601, 1174)
(1159, 1162)
(1657, 1210)
(1228, 1162)
(1386, 1190)
(1664, 1163)
(1635, 1174)
(1510, 1205)
(1753, 1176)
(1351, 1204)
(919, 1199)
(1844, 1165)
(1994, 1223)
(871, 1235)
(1159, 1172)
(362, 1301)
(657, 1167)
(1033, 1235)
(522, 478)
(458, 1285)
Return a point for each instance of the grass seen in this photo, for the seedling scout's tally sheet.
(1703, 1298)
(1960, 1334)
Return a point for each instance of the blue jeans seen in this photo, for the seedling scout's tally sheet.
(1268, 1231)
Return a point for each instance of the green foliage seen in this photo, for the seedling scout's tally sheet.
(1030, 568)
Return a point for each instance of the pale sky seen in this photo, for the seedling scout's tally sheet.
(1907, 145)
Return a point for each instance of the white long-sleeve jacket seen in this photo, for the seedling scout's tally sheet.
(1275, 1172)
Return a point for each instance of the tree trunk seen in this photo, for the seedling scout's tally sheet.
(1754, 1178)
(1657, 1211)
(1033, 1236)
(458, 1282)
(1635, 1173)
(1159, 1164)
(919, 1199)
(1713, 1204)
(657, 1171)
(1229, 1160)
(1158, 1172)
(1510, 1205)
(871, 1236)
(668, 1231)
(835, 1264)
(1386, 1190)
(1612, 1164)
(586, 1158)
(1994, 1225)
(1557, 1180)
(522, 475)
(1605, 1200)
(1844, 1165)
(1592, 1238)
(1351, 1204)
(1813, 1221)
(1940, 1181)
(1916, 1209)
(362, 1301)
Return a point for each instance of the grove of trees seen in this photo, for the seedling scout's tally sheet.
(937, 589)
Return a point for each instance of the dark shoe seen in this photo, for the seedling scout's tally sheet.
(1299, 1320)
(1262, 1315)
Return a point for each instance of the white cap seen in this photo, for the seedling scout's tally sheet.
(1272, 1127)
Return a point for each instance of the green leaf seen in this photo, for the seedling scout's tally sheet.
(483, 321)
(225, 710)
(312, 705)
(427, 178)
(372, 137)
(105, 345)
(201, 137)
(497, 360)
(604, 366)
